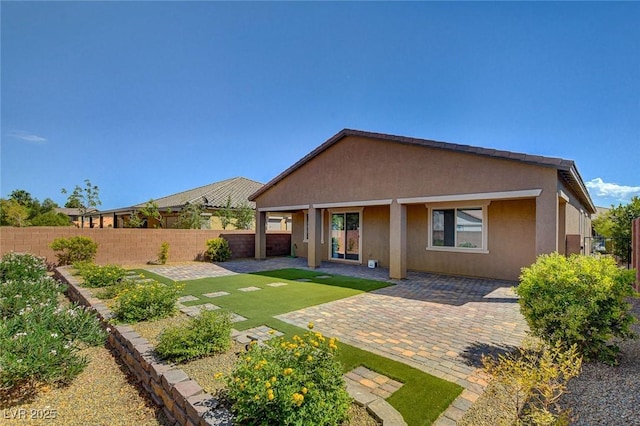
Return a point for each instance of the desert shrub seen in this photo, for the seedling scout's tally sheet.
(112, 291)
(289, 382)
(206, 334)
(74, 249)
(163, 254)
(80, 266)
(39, 340)
(146, 301)
(533, 379)
(577, 300)
(102, 276)
(21, 266)
(18, 295)
(218, 250)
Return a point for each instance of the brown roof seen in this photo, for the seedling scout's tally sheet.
(566, 168)
(214, 195)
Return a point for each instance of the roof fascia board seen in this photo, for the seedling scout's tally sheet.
(502, 195)
(284, 208)
(365, 203)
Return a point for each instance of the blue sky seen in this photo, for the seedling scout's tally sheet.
(146, 99)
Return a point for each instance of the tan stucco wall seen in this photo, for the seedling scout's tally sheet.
(363, 169)
(357, 169)
(511, 226)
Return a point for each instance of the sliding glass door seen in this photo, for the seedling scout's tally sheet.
(345, 236)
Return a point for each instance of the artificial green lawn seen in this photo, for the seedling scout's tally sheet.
(423, 396)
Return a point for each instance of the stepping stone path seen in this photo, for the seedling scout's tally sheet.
(370, 389)
(188, 298)
(260, 334)
(216, 294)
(195, 310)
(277, 284)
(245, 289)
(237, 318)
(377, 383)
(304, 280)
(323, 276)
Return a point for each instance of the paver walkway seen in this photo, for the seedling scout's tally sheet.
(438, 324)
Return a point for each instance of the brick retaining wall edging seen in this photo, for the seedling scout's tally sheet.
(182, 400)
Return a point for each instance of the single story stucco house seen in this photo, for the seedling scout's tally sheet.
(424, 205)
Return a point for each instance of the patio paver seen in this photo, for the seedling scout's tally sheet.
(439, 324)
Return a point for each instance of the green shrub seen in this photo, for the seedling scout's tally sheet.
(21, 266)
(102, 276)
(80, 266)
(74, 249)
(533, 380)
(577, 300)
(218, 250)
(163, 254)
(39, 340)
(289, 382)
(16, 296)
(146, 301)
(206, 334)
(112, 291)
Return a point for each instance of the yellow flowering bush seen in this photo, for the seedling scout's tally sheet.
(146, 301)
(101, 276)
(287, 382)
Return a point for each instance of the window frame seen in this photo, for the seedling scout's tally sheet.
(484, 206)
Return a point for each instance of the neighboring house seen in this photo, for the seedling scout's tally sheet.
(423, 205)
(76, 217)
(212, 197)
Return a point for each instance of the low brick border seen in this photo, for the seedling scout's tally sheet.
(182, 400)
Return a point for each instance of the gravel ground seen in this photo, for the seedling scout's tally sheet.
(600, 395)
(605, 395)
(100, 395)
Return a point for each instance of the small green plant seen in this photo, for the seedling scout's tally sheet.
(218, 250)
(112, 291)
(146, 301)
(206, 334)
(163, 255)
(102, 276)
(533, 379)
(290, 382)
(578, 300)
(74, 249)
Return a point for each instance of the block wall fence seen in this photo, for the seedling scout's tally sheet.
(136, 246)
(635, 250)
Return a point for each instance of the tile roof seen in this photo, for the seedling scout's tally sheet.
(566, 168)
(213, 195)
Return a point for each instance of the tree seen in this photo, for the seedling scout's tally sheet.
(621, 218)
(225, 214)
(190, 216)
(142, 216)
(243, 215)
(51, 218)
(12, 213)
(83, 199)
(150, 211)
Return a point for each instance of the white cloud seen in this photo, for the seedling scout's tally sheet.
(27, 136)
(612, 190)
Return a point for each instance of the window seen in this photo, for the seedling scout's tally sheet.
(458, 228)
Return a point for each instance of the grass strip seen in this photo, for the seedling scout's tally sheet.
(420, 400)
